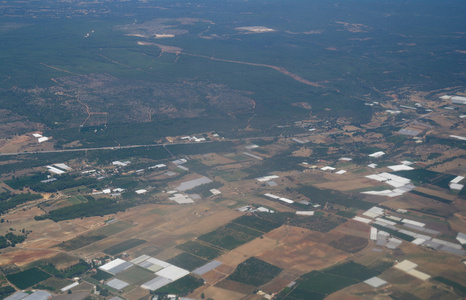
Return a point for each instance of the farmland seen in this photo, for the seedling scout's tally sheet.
(187, 261)
(319, 284)
(226, 238)
(258, 223)
(182, 286)
(123, 246)
(80, 242)
(27, 278)
(254, 272)
(233, 149)
(200, 250)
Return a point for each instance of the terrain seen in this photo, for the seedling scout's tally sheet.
(233, 150)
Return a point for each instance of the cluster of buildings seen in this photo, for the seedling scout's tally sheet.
(40, 137)
(420, 234)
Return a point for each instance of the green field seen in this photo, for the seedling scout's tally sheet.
(70, 272)
(53, 284)
(230, 176)
(73, 200)
(320, 221)
(443, 200)
(201, 250)
(300, 294)
(80, 241)
(352, 270)
(182, 286)
(6, 291)
(136, 275)
(423, 176)
(254, 271)
(187, 261)
(226, 238)
(323, 196)
(244, 229)
(256, 223)
(459, 288)
(395, 233)
(325, 283)
(123, 246)
(319, 284)
(27, 278)
(102, 275)
(112, 229)
(346, 214)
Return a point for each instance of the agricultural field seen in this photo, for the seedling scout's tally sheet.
(27, 278)
(123, 246)
(320, 284)
(187, 261)
(201, 250)
(101, 275)
(226, 238)
(80, 242)
(108, 107)
(258, 223)
(254, 271)
(135, 275)
(182, 286)
(238, 232)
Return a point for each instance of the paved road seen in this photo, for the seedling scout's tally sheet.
(157, 145)
(97, 148)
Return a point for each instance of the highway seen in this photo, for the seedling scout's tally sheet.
(156, 145)
(96, 149)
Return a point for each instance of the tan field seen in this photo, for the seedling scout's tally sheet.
(215, 159)
(294, 247)
(22, 257)
(346, 185)
(241, 253)
(219, 293)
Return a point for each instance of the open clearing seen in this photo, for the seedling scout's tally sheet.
(293, 249)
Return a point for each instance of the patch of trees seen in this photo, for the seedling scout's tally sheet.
(5, 291)
(72, 271)
(15, 200)
(254, 271)
(93, 207)
(323, 196)
(50, 111)
(64, 182)
(10, 240)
